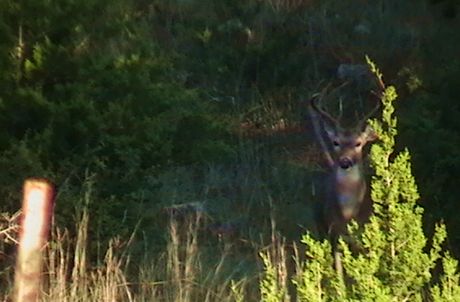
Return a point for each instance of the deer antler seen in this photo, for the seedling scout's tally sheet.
(334, 122)
(312, 110)
(369, 114)
(378, 96)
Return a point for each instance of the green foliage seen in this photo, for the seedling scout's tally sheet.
(270, 290)
(448, 290)
(237, 292)
(432, 112)
(88, 92)
(318, 273)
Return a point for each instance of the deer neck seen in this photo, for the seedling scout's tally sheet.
(350, 189)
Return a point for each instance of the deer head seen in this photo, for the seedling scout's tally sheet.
(347, 144)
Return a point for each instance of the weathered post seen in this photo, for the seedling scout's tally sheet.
(37, 204)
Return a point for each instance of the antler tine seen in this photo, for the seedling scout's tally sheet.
(371, 113)
(323, 113)
(335, 122)
(377, 106)
(318, 99)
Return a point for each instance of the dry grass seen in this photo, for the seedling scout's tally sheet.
(180, 274)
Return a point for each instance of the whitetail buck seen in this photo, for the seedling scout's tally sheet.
(347, 195)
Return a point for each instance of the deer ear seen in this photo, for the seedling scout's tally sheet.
(370, 134)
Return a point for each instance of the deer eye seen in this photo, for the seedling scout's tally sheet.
(358, 144)
(336, 143)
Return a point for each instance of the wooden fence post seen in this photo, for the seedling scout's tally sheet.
(37, 205)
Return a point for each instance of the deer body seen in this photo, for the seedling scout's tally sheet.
(347, 193)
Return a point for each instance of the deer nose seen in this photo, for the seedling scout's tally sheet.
(345, 163)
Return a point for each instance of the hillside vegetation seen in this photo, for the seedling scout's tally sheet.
(176, 134)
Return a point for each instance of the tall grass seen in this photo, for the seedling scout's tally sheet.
(70, 276)
(182, 273)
